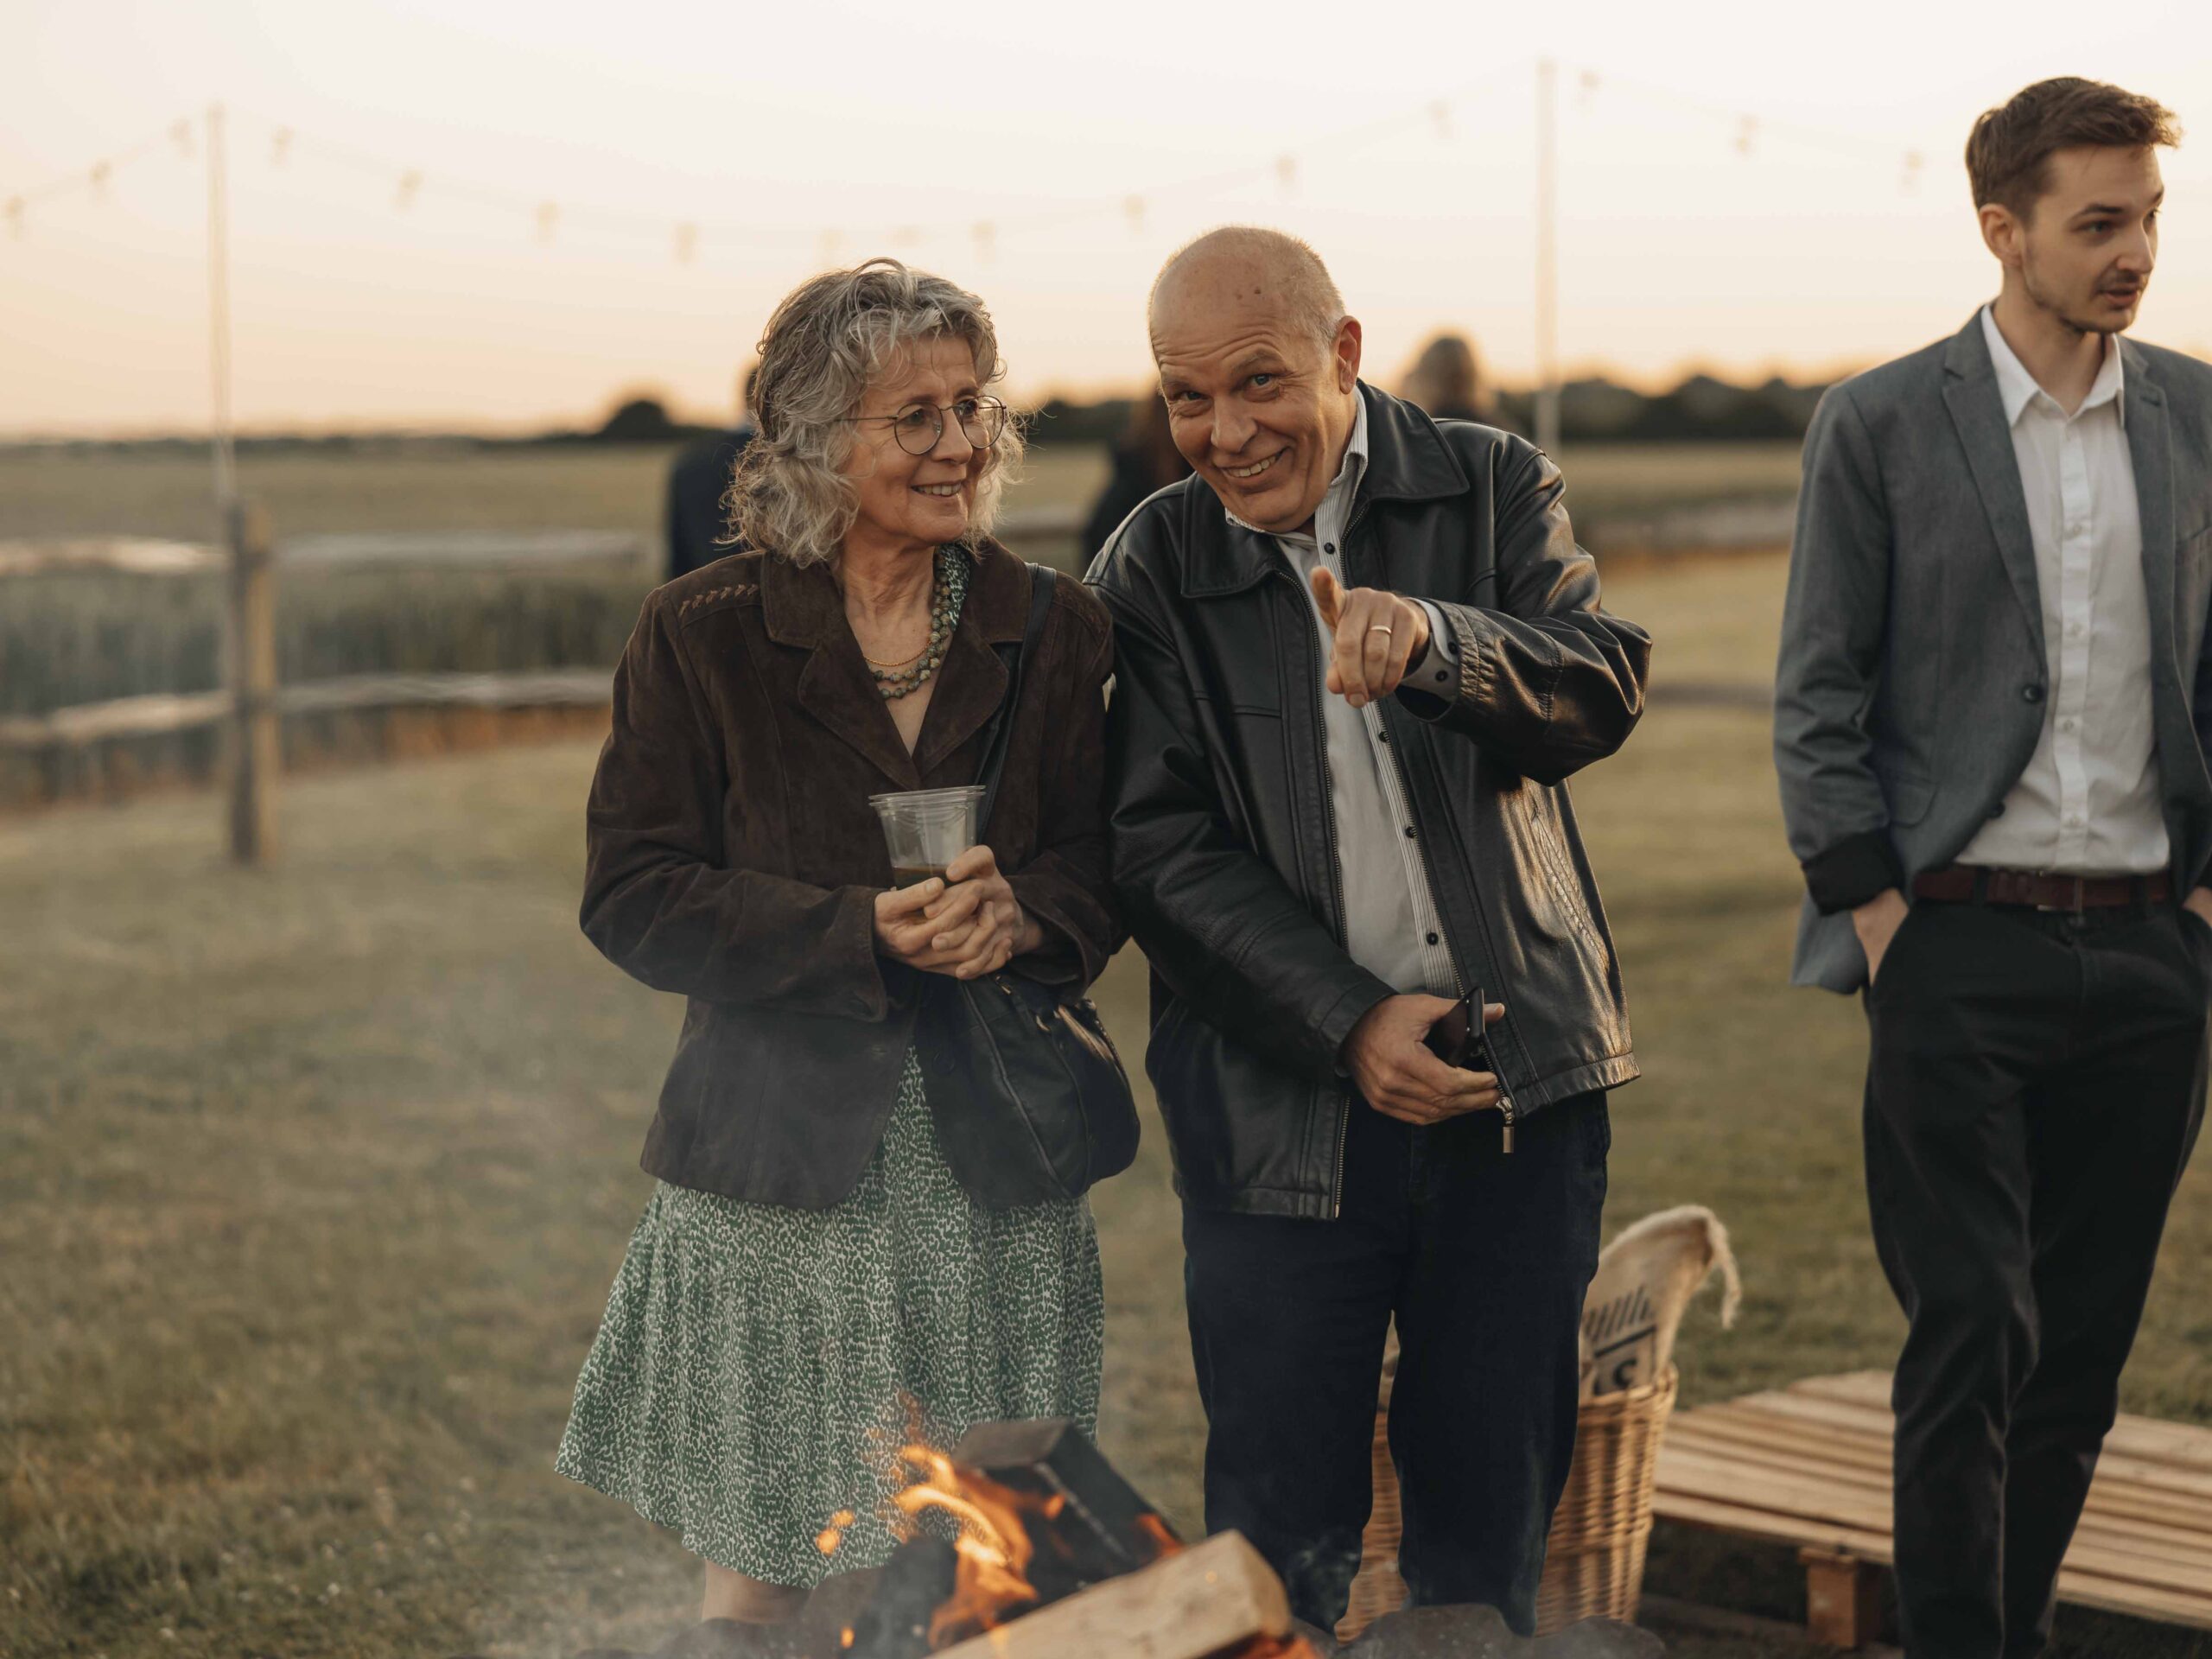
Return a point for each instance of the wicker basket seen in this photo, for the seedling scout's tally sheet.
(1593, 1567)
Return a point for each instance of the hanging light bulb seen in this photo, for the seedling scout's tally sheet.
(410, 186)
(1747, 129)
(687, 243)
(986, 241)
(1909, 180)
(280, 147)
(15, 216)
(1586, 86)
(1286, 172)
(549, 219)
(180, 136)
(102, 172)
(1133, 211)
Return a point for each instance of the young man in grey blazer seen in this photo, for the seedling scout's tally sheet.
(1991, 717)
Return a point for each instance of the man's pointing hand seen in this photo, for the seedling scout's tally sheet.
(1378, 636)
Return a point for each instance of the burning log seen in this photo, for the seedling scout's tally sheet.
(1214, 1598)
(1087, 1523)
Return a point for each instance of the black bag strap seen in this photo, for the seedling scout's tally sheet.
(1041, 578)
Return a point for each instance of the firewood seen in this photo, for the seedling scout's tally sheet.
(1088, 1524)
(1188, 1605)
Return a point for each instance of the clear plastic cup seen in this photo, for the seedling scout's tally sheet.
(927, 829)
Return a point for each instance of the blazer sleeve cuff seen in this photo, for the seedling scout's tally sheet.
(1852, 871)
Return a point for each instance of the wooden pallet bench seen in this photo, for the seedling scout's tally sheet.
(1809, 1465)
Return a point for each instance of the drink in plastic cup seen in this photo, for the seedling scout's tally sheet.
(927, 829)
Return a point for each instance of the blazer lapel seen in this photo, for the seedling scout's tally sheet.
(801, 607)
(1977, 411)
(2149, 448)
(972, 683)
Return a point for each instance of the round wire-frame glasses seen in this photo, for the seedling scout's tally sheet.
(919, 427)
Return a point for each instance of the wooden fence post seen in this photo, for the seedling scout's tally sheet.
(255, 751)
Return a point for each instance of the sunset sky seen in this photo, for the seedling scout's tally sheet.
(790, 132)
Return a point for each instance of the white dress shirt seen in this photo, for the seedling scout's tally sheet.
(1391, 924)
(2089, 802)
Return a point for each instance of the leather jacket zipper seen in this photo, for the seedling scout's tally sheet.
(1336, 870)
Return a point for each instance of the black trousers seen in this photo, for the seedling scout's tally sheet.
(2035, 1085)
(1482, 1259)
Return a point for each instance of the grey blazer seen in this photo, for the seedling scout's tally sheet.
(1912, 682)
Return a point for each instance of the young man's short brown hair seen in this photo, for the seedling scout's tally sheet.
(2010, 146)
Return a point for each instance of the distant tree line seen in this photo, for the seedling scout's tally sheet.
(1699, 409)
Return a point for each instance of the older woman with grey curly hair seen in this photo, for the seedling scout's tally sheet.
(814, 1280)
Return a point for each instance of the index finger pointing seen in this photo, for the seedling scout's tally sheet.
(1327, 594)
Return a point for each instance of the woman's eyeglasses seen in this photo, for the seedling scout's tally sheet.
(919, 427)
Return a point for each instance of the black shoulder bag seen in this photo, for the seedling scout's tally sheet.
(1029, 1097)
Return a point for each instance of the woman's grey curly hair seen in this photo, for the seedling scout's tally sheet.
(832, 338)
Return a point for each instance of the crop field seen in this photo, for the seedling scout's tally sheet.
(313, 1181)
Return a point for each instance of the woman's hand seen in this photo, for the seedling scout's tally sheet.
(966, 925)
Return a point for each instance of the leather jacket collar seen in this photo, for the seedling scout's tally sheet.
(1406, 460)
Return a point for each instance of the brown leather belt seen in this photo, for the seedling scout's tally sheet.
(1970, 884)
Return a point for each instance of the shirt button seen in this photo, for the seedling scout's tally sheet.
(1998, 811)
(2073, 630)
(1433, 939)
(2032, 694)
(1329, 547)
(2068, 723)
(1409, 832)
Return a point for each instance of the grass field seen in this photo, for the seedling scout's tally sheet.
(460, 487)
(312, 1183)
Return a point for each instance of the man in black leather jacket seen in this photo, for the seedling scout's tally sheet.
(1357, 655)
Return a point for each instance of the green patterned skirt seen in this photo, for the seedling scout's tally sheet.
(758, 1366)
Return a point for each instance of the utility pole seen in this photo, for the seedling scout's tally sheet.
(218, 320)
(249, 633)
(1547, 256)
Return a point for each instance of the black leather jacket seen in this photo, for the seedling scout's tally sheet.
(1221, 833)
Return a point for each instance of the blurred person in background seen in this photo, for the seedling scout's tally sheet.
(1991, 715)
(698, 489)
(1145, 460)
(1444, 381)
(1338, 809)
(810, 1270)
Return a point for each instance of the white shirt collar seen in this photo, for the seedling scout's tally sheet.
(1343, 485)
(2018, 388)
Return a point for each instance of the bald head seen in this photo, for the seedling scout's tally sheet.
(1250, 267)
(1259, 366)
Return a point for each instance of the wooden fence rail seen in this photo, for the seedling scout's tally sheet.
(252, 705)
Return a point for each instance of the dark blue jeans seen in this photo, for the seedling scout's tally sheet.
(1483, 1259)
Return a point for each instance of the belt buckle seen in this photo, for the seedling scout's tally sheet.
(2081, 896)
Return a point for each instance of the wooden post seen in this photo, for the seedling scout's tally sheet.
(1843, 1601)
(254, 750)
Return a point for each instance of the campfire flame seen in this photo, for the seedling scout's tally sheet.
(991, 1584)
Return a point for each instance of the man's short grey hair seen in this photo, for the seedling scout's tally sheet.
(1310, 290)
(833, 337)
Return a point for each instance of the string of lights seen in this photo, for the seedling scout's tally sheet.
(548, 218)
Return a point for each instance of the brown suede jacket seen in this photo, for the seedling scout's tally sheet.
(733, 855)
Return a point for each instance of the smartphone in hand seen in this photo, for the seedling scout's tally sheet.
(1457, 1038)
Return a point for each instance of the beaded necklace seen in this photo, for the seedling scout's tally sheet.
(948, 588)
